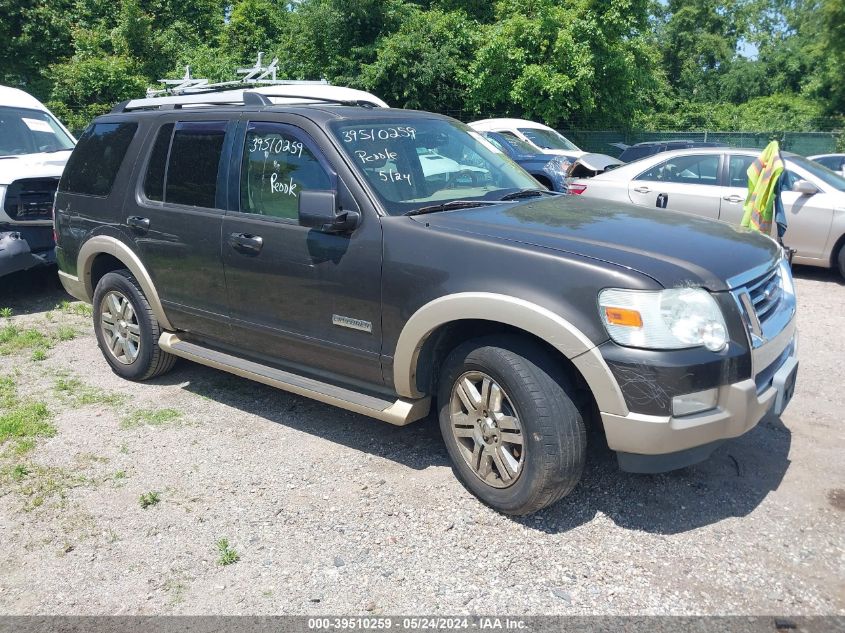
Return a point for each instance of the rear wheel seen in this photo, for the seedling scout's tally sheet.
(515, 437)
(841, 259)
(126, 329)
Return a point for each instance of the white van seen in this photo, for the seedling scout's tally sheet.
(34, 147)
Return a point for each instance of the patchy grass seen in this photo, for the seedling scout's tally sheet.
(39, 354)
(80, 394)
(228, 555)
(13, 339)
(8, 394)
(148, 499)
(27, 419)
(77, 307)
(65, 333)
(37, 483)
(120, 474)
(150, 417)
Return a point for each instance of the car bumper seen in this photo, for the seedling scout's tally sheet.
(651, 443)
(26, 248)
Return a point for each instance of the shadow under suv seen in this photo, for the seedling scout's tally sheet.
(312, 248)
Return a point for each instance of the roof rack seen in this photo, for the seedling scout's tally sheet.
(228, 97)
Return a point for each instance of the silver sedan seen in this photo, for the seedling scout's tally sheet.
(713, 182)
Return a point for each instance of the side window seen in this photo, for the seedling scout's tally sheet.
(276, 167)
(93, 166)
(738, 170)
(156, 168)
(789, 179)
(691, 170)
(194, 163)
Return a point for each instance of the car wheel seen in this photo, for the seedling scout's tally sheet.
(841, 260)
(126, 329)
(516, 439)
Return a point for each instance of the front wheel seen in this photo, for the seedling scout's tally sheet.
(516, 439)
(126, 329)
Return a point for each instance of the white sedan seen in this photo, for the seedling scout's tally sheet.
(713, 182)
(541, 137)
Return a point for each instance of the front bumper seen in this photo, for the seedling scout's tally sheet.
(26, 248)
(655, 443)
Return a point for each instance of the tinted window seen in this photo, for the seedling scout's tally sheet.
(548, 139)
(828, 177)
(691, 170)
(831, 162)
(276, 167)
(194, 163)
(738, 170)
(93, 165)
(154, 180)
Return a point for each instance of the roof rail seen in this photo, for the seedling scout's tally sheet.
(228, 97)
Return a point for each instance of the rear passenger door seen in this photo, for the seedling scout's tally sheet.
(176, 218)
(688, 183)
(735, 190)
(299, 297)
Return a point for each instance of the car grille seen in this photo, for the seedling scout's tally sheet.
(765, 293)
(31, 199)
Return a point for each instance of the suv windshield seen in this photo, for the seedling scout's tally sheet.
(24, 131)
(414, 162)
(827, 176)
(548, 139)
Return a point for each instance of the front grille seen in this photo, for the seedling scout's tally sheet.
(31, 199)
(765, 293)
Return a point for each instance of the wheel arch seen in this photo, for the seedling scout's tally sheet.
(102, 254)
(447, 321)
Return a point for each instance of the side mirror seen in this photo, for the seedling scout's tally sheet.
(805, 187)
(318, 210)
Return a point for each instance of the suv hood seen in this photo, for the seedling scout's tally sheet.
(40, 165)
(673, 248)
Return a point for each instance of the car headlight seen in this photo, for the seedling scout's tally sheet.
(557, 167)
(676, 318)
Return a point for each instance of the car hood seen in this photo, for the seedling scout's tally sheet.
(674, 249)
(40, 165)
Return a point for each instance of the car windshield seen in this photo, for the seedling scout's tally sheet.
(548, 139)
(24, 131)
(516, 144)
(415, 162)
(827, 176)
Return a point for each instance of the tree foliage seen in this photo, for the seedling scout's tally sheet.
(653, 64)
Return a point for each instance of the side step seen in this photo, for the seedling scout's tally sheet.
(401, 412)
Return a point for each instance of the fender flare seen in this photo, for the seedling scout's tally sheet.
(112, 246)
(535, 319)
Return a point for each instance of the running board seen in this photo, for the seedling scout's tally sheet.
(401, 412)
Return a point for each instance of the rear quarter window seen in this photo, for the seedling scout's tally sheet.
(94, 163)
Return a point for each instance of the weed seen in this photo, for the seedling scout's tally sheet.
(8, 397)
(77, 308)
(120, 474)
(148, 499)
(81, 394)
(13, 339)
(23, 446)
(19, 472)
(39, 354)
(227, 554)
(29, 419)
(151, 417)
(66, 333)
(5, 312)
(39, 483)
(124, 448)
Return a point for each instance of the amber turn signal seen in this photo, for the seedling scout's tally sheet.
(623, 316)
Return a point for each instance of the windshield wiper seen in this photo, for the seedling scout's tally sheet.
(528, 193)
(447, 206)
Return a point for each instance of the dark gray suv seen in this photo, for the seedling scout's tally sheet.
(390, 262)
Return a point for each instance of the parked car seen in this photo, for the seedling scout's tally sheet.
(590, 165)
(834, 162)
(34, 147)
(549, 170)
(637, 151)
(305, 248)
(541, 137)
(714, 183)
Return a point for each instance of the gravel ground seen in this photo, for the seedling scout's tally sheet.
(331, 512)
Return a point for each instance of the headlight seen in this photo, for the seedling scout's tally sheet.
(557, 167)
(677, 318)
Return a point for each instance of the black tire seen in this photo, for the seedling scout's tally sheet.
(841, 259)
(538, 393)
(151, 360)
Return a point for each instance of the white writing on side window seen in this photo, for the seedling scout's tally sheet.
(381, 134)
(394, 176)
(288, 187)
(275, 145)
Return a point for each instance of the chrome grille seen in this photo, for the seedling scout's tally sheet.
(765, 293)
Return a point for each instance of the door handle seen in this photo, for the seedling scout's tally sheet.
(642, 189)
(137, 222)
(733, 198)
(246, 243)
